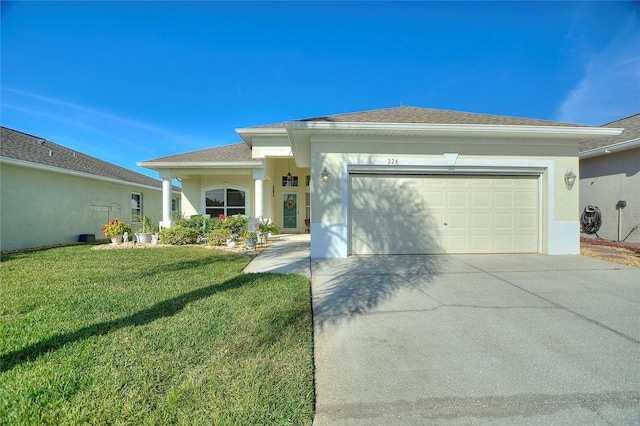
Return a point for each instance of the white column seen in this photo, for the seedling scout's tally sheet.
(258, 194)
(166, 203)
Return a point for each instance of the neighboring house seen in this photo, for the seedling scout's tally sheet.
(50, 194)
(610, 180)
(402, 180)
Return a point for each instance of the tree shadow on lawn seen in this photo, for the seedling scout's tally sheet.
(166, 308)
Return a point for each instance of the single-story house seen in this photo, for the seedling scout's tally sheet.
(50, 194)
(610, 180)
(403, 180)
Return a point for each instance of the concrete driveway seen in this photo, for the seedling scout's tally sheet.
(476, 340)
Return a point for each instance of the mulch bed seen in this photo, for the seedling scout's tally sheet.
(634, 247)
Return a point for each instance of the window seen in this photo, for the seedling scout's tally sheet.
(293, 182)
(307, 181)
(136, 205)
(307, 206)
(225, 201)
(174, 204)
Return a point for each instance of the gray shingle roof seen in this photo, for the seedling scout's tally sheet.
(631, 131)
(235, 152)
(409, 114)
(33, 149)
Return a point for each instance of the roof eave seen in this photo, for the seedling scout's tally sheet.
(608, 149)
(157, 165)
(578, 132)
(248, 133)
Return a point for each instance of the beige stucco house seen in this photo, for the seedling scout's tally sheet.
(610, 180)
(50, 194)
(402, 180)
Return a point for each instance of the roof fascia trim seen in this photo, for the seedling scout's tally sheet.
(247, 133)
(578, 132)
(54, 169)
(268, 131)
(608, 149)
(199, 164)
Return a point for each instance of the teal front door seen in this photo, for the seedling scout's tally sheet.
(290, 211)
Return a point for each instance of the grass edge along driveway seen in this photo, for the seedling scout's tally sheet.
(176, 335)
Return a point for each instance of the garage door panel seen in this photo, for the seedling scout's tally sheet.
(526, 221)
(457, 221)
(457, 199)
(456, 243)
(480, 199)
(505, 182)
(526, 183)
(503, 200)
(452, 214)
(527, 199)
(503, 243)
(503, 221)
(454, 181)
(398, 243)
(481, 221)
(479, 244)
(524, 242)
(433, 199)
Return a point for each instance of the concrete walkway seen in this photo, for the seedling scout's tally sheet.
(288, 254)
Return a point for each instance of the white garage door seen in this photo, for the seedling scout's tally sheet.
(443, 214)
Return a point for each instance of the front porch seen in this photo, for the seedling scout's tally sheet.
(271, 188)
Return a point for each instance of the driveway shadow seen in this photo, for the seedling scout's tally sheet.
(344, 288)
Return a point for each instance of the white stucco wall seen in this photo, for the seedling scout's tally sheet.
(607, 179)
(39, 207)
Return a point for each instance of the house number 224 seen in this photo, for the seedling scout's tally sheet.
(392, 161)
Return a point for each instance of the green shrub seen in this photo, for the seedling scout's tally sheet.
(178, 235)
(237, 224)
(218, 237)
(194, 222)
(214, 223)
(266, 227)
(197, 221)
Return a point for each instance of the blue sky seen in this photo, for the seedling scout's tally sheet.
(133, 81)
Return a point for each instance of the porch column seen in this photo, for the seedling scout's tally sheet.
(258, 190)
(166, 200)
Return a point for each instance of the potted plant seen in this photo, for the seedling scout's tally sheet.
(114, 230)
(267, 227)
(155, 230)
(250, 239)
(144, 236)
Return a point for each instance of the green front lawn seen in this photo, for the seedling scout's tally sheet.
(175, 335)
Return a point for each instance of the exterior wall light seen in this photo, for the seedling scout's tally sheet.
(569, 179)
(325, 175)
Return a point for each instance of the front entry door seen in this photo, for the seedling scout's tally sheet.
(290, 211)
